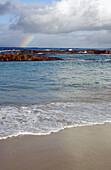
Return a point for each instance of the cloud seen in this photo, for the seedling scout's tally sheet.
(6, 7)
(65, 23)
(101, 37)
(63, 17)
(10, 38)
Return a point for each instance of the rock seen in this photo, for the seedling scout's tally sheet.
(107, 52)
(25, 57)
(39, 55)
(4, 117)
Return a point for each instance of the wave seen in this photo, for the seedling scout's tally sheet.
(44, 119)
(90, 60)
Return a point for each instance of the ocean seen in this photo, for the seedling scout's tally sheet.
(42, 97)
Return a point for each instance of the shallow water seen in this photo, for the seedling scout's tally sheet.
(41, 97)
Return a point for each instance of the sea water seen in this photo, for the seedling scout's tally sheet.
(41, 97)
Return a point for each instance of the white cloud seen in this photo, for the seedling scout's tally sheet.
(72, 23)
(64, 16)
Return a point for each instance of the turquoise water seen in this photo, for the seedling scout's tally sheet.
(40, 97)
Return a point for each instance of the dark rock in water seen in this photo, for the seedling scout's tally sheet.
(108, 52)
(4, 117)
(39, 55)
(25, 57)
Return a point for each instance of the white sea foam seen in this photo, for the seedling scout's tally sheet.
(5, 51)
(53, 117)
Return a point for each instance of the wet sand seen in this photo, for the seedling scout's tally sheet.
(82, 148)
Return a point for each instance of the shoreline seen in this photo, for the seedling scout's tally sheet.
(75, 148)
(52, 132)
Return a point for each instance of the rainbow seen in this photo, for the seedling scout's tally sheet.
(27, 40)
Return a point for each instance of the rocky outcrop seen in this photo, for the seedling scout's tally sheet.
(25, 57)
(64, 51)
(43, 52)
(108, 52)
(39, 55)
(96, 51)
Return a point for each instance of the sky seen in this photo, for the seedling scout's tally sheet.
(55, 23)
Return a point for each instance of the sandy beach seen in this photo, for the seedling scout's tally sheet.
(81, 148)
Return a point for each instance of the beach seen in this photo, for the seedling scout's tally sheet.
(80, 148)
(55, 115)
